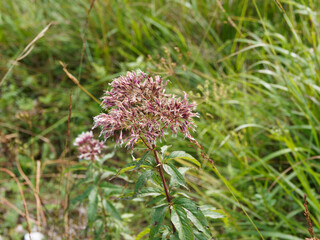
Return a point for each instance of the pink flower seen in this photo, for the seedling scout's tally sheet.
(88, 147)
(138, 107)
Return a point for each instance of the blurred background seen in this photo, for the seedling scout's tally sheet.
(251, 66)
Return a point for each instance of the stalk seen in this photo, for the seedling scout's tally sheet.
(160, 168)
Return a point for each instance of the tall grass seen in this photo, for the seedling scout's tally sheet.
(253, 70)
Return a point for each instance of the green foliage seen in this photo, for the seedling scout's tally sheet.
(176, 177)
(181, 223)
(93, 205)
(252, 69)
(185, 156)
(157, 218)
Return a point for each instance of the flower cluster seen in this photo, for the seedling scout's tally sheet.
(88, 147)
(138, 107)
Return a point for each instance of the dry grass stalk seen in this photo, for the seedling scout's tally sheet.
(26, 51)
(39, 206)
(35, 193)
(75, 80)
(280, 5)
(11, 174)
(67, 186)
(10, 205)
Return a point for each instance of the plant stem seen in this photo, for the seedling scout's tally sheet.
(160, 167)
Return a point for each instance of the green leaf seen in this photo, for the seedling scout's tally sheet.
(185, 156)
(183, 170)
(151, 161)
(126, 168)
(106, 174)
(157, 199)
(142, 160)
(143, 233)
(105, 157)
(111, 209)
(145, 160)
(110, 189)
(194, 213)
(157, 219)
(83, 196)
(98, 229)
(197, 223)
(142, 180)
(77, 167)
(156, 179)
(181, 223)
(175, 236)
(201, 236)
(150, 191)
(93, 205)
(211, 212)
(176, 176)
(165, 232)
(164, 150)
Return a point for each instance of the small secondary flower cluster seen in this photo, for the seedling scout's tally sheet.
(88, 147)
(138, 107)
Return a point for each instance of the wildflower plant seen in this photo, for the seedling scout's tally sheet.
(139, 108)
(140, 112)
(104, 220)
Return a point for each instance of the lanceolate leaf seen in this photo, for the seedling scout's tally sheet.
(194, 213)
(197, 223)
(157, 219)
(98, 229)
(93, 205)
(185, 156)
(126, 168)
(156, 200)
(181, 223)
(175, 236)
(110, 189)
(150, 191)
(211, 212)
(145, 160)
(176, 177)
(164, 150)
(142, 160)
(143, 233)
(111, 209)
(142, 180)
(83, 196)
(201, 236)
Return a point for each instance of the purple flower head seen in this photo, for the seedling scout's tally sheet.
(88, 147)
(138, 107)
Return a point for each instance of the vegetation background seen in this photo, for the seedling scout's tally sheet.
(252, 68)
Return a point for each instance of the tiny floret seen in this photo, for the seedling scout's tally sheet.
(138, 107)
(88, 147)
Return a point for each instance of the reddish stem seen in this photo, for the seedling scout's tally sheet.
(160, 167)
